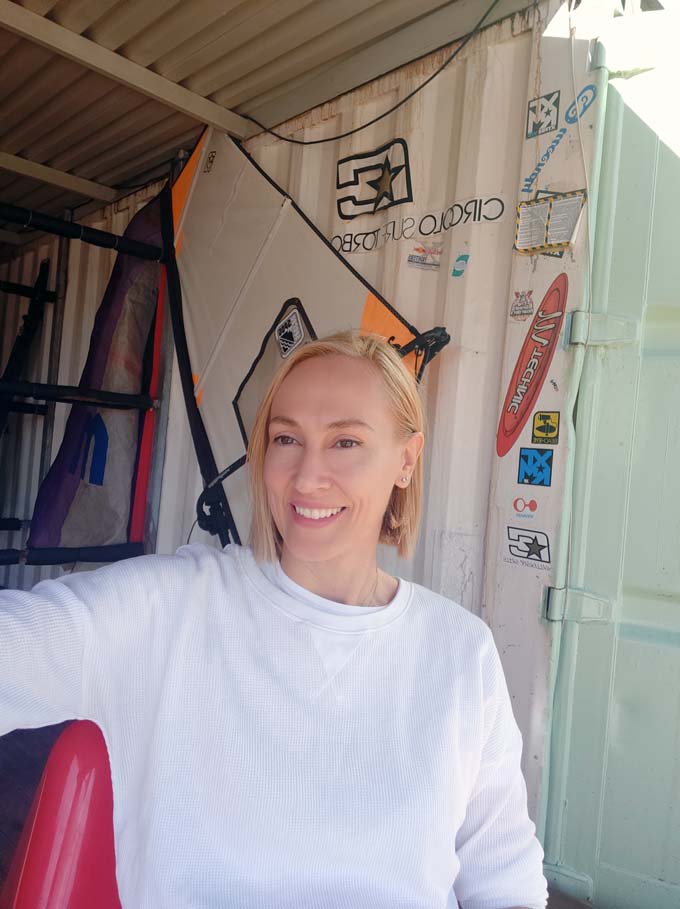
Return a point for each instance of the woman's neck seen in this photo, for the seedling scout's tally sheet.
(343, 580)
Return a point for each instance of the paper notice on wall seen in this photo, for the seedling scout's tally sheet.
(549, 222)
(564, 217)
(532, 225)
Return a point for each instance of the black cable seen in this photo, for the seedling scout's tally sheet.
(191, 531)
(391, 110)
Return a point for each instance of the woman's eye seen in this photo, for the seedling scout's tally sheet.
(284, 440)
(347, 443)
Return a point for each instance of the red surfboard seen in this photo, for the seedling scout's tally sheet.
(532, 364)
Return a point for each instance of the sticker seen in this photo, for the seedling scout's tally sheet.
(524, 508)
(209, 161)
(532, 364)
(426, 255)
(522, 306)
(550, 253)
(535, 466)
(279, 341)
(374, 181)
(546, 427)
(583, 101)
(290, 333)
(460, 265)
(458, 214)
(529, 545)
(543, 114)
(545, 157)
(549, 222)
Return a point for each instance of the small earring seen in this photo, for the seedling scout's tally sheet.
(404, 479)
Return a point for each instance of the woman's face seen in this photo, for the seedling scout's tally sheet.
(333, 458)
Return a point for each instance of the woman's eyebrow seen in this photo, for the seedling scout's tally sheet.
(346, 424)
(335, 424)
(285, 420)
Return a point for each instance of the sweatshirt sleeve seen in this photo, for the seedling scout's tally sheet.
(500, 857)
(42, 634)
(68, 645)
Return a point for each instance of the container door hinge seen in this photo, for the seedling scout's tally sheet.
(572, 605)
(596, 329)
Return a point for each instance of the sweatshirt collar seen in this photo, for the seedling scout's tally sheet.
(300, 603)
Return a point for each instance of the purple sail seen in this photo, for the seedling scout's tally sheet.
(85, 499)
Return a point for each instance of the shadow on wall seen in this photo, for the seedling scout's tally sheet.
(557, 900)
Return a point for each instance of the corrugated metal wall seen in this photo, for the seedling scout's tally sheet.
(20, 450)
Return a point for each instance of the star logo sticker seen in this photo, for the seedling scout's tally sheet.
(383, 184)
(370, 182)
(532, 545)
(534, 550)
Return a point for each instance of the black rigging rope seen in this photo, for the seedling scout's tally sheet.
(391, 110)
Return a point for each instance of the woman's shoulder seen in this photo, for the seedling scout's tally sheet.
(449, 617)
(152, 577)
(201, 555)
(232, 561)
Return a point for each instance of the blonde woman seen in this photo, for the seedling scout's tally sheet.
(288, 725)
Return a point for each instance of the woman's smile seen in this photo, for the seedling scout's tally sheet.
(316, 517)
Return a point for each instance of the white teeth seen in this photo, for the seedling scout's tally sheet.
(316, 513)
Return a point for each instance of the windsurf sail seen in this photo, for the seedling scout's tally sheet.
(91, 504)
(256, 280)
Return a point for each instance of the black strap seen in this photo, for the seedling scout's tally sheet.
(218, 517)
(21, 350)
(426, 345)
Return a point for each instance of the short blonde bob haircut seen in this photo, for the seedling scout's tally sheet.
(402, 516)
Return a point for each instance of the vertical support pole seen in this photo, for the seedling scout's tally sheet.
(63, 249)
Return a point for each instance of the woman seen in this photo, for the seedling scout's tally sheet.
(288, 725)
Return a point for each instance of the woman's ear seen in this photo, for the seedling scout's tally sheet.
(411, 453)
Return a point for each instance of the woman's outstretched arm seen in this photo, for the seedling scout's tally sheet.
(42, 636)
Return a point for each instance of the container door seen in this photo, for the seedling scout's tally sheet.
(613, 819)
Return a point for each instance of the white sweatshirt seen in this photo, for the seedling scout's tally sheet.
(273, 749)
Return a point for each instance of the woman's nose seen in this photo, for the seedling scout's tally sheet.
(311, 472)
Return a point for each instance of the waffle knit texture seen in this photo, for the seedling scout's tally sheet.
(270, 748)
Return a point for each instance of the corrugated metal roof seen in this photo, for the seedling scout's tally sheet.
(61, 106)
